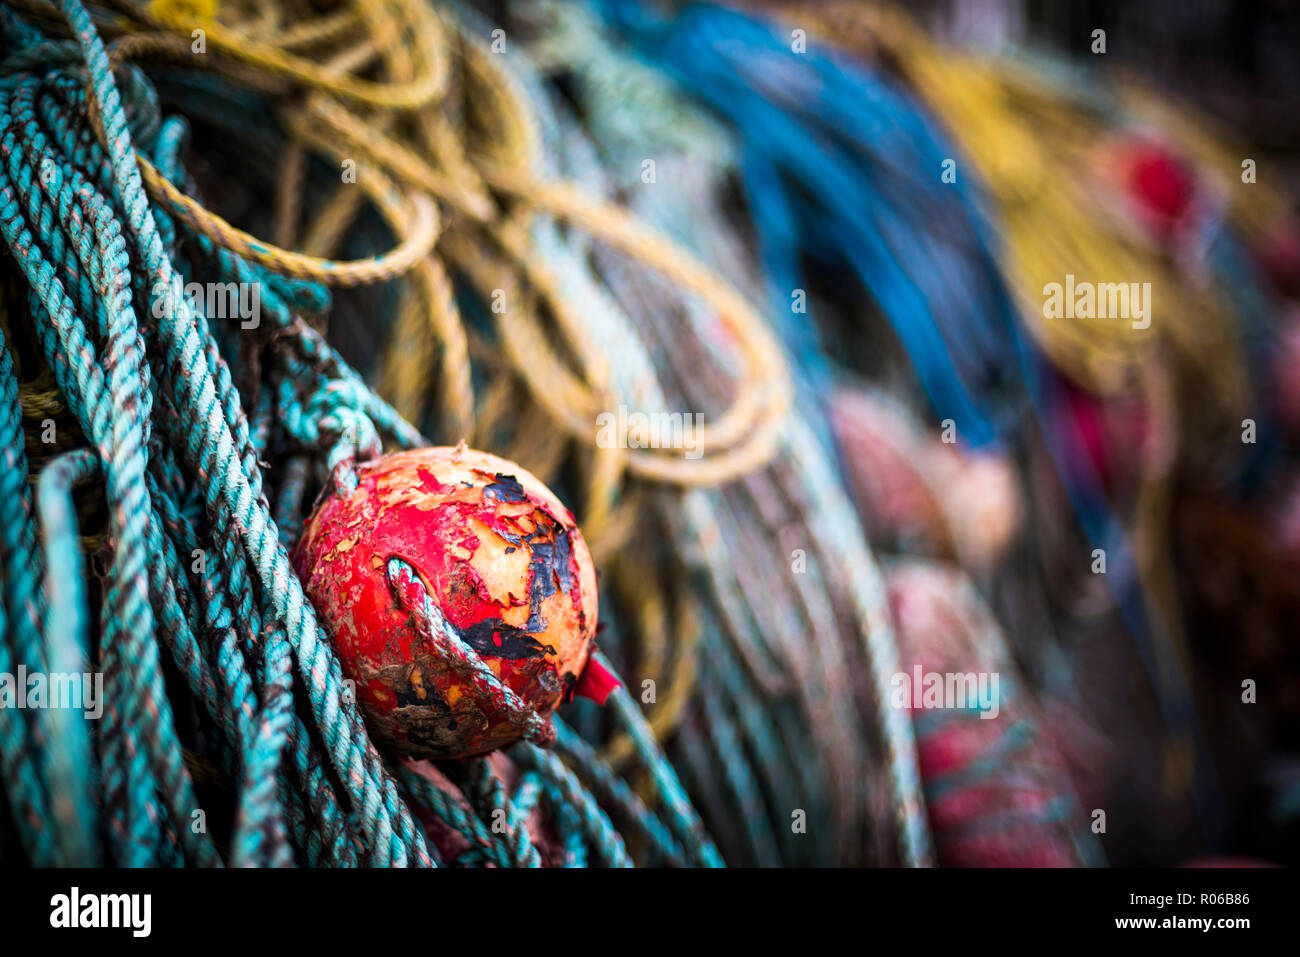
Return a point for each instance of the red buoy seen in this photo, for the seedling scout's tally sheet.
(503, 565)
(1161, 182)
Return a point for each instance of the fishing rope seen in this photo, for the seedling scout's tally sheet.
(197, 564)
(996, 784)
(852, 142)
(762, 377)
(503, 266)
(1035, 139)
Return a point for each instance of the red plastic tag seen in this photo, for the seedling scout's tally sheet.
(596, 681)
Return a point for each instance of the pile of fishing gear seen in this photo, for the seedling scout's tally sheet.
(579, 433)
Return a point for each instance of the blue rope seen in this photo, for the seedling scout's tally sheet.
(839, 162)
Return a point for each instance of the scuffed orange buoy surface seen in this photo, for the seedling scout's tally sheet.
(498, 554)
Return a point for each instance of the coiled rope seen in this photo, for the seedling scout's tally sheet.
(199, 604)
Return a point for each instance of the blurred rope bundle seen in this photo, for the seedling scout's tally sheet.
(1097, 176)
(839, 166)
(728, 48)
(536, 227)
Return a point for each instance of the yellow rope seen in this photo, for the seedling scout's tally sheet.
(418, 31)
(406, 168)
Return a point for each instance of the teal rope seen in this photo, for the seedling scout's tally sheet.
(565, 789)
(348, 745)
(69, 766)
(614, 791)
(22, 782)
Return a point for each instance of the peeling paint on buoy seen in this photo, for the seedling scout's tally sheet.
(503, 560)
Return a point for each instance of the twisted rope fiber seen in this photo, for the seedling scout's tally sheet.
(73, 807)
(343, 734)
(246, 608)
(621, 348)
(920, 254)
(764, 389)
(23, 785)
(120, 438)
(187, 828)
